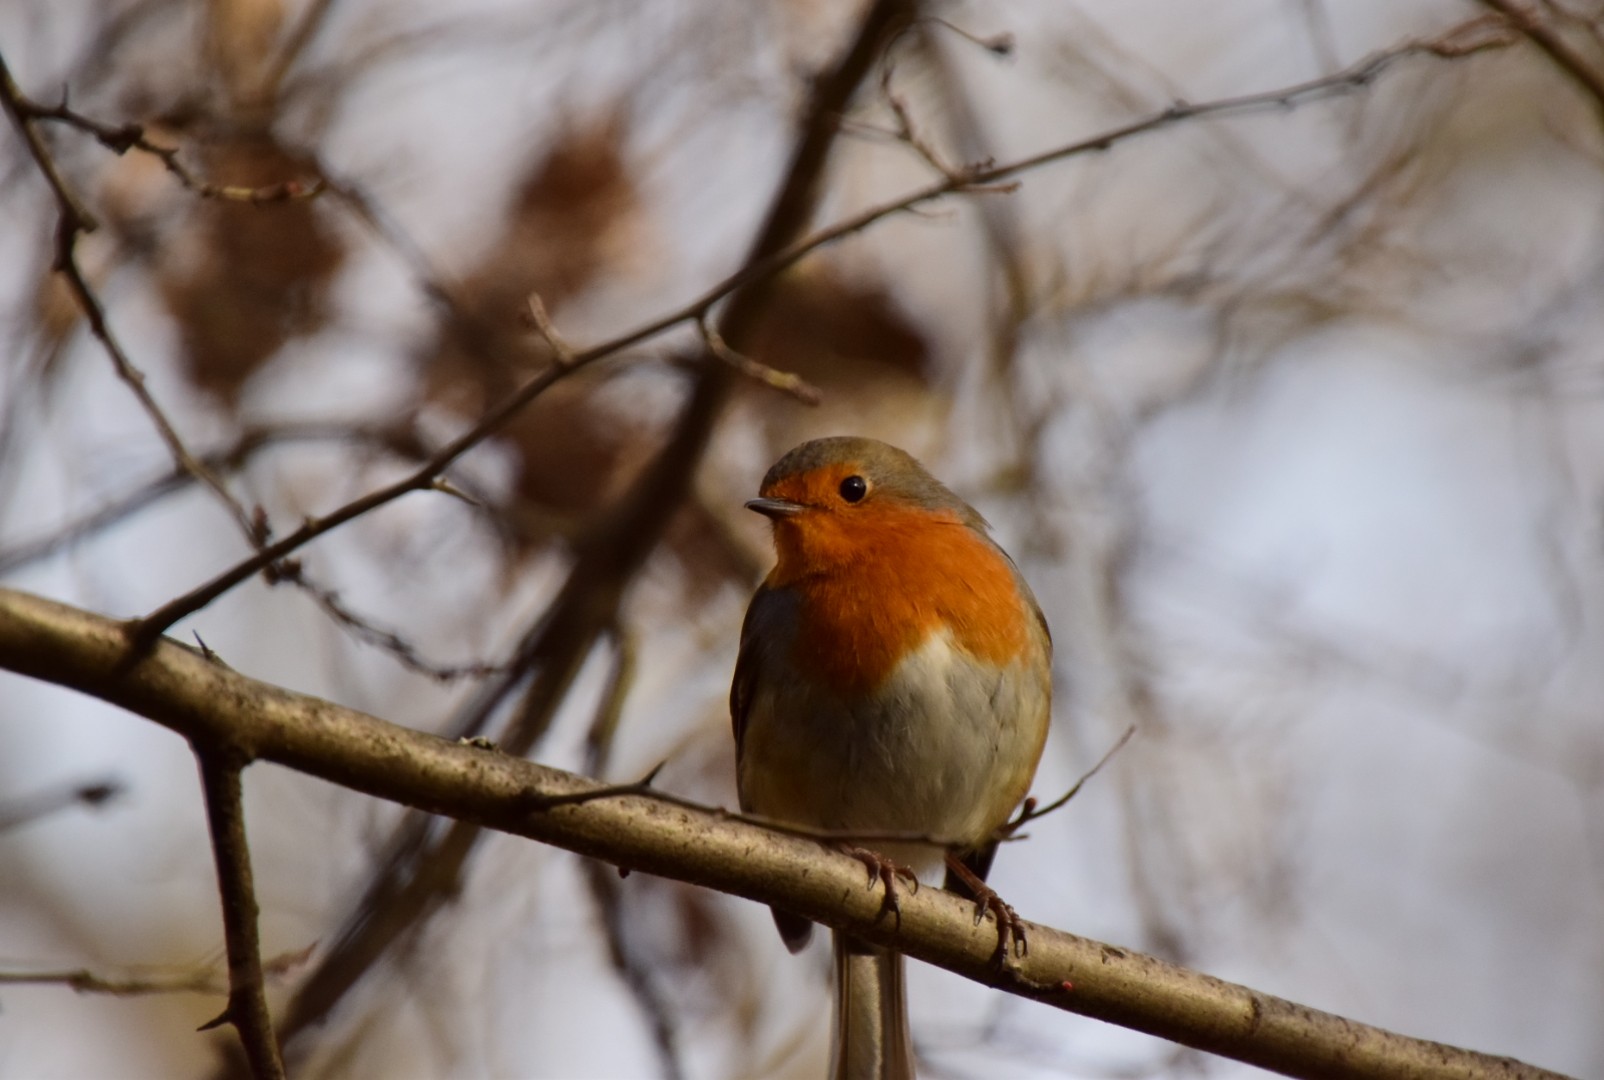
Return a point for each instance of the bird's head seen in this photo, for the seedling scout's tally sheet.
(841, 499)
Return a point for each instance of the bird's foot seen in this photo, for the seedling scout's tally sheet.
(1011, 940)
(886, 872)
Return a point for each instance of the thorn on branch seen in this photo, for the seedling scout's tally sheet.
(1000, 44)
(445, 487)
(224, 1017)
(542, 803)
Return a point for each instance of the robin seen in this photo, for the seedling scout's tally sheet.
(894, 677)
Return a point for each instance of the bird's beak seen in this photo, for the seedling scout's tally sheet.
(775, 508)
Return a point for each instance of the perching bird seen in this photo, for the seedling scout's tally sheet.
(894, 676)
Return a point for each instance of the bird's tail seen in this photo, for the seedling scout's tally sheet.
(871, 1014)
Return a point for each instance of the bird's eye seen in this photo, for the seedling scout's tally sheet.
(854, 488)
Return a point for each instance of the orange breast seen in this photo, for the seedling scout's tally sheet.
(876, 584)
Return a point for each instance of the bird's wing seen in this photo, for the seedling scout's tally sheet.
(769, 626)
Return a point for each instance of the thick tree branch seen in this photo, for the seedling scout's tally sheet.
(208, 703)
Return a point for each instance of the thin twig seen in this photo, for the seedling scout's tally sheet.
(206, 981)
(1537, 30)
(364, 630)
(434, 282)
(312, 20)
(1001, 44)
(121, 138)
(784, 381)
(398, 439)
(561, 351)
(73, 220)
(84, 981)
(1028, 811)
(247, 996)
(906, 132)
(537, 803)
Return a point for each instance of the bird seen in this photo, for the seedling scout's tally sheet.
(894, 676)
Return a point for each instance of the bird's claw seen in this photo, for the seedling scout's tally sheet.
(1010, 927)
(886, 872)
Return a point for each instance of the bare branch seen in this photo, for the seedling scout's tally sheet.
(312, 20)
(1546, 37)
(398, 439)
(404, 652)
(121, 138)
(906, 132)
(561, 352)
(84, 981)
(220, 765)
(202, 981)
(210, 704)
(73, 220)
(784, 381)
(998, 44)
(1028, 812)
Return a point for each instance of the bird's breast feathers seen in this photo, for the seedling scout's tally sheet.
(858, 619)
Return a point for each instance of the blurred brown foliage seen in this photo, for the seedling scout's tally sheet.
(242, 281)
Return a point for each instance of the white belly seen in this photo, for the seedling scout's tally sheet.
(944, 748)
